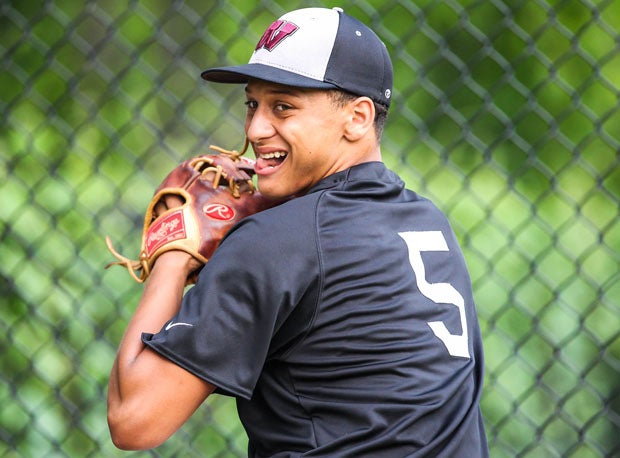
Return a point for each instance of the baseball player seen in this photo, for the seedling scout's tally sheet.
(342, 319)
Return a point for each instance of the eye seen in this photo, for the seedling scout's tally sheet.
(282, 107)
(251, 104)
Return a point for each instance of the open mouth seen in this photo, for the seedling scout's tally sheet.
(271, 160)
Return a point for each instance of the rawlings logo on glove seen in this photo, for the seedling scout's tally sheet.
(216, 191)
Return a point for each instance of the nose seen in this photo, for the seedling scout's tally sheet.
(258, 126)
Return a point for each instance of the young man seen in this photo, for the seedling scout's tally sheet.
(352, 331)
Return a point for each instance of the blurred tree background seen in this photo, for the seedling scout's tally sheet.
(506, 113)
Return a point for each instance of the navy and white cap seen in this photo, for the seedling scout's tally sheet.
(317, 48)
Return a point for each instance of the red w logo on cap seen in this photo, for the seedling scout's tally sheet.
(274, 35)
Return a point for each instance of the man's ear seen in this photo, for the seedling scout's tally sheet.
(362, 118)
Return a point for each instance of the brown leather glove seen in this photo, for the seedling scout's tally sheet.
(216, 191)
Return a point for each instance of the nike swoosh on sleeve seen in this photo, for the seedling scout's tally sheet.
(172, 324)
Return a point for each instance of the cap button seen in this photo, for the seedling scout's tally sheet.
(337, 8)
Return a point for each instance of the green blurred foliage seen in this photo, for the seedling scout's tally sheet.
(505, 113)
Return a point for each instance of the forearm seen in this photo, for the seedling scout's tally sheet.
(145, 389)
(160, 300)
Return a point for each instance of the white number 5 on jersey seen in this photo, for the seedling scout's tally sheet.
(440, 293)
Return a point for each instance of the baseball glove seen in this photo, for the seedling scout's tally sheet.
(216, 191)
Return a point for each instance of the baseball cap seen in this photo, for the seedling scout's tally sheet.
(317, 48)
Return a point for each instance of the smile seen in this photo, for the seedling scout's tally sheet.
(275, 155)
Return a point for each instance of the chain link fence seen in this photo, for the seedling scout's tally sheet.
(505, 112)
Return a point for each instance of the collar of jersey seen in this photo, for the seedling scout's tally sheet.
(367, 171)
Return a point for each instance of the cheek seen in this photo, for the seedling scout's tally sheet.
(246, 124)
(318, 134)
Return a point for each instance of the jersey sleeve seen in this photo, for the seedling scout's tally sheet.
(253, 285)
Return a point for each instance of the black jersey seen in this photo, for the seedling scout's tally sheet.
(344, 324)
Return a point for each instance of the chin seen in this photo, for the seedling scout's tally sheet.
(276, 194)
(270, 192)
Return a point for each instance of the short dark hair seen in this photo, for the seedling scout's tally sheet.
(341, 98)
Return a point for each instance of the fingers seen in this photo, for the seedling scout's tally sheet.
(173, 200)
(166, 203)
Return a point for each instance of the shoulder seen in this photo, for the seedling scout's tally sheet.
(287, 226)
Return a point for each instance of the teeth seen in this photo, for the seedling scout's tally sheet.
(276, 155)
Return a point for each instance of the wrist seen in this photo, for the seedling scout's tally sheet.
(176, 262)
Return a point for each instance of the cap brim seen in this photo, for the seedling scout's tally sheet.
(243, 73)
